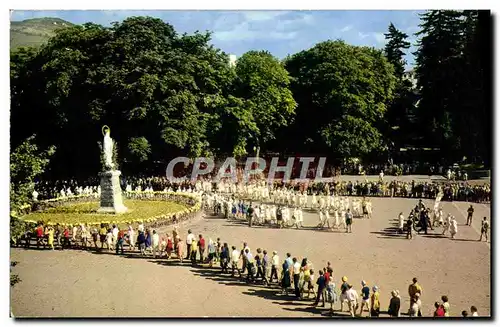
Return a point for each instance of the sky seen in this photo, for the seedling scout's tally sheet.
(279, 32)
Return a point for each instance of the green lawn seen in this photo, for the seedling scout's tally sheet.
(86, 212)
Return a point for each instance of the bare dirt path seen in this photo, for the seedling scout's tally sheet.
(85, 284)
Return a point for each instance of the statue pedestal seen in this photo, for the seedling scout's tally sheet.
(111, 193)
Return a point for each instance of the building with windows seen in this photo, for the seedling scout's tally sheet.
(410, 75)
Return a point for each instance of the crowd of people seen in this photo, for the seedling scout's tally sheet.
(280, 204)
(294, 276)
(422, 218)
(452, 191)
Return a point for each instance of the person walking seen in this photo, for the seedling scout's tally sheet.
(409, 228)
(258, 263)
(365, 299)
(201, 246)
(189, 241)
(250, 266)
(375, 302)
(414, 288)
(131, 238)
(265, 268)
(169, 247)
(180, 249)
(470, 212)
(224, 258)
(194, 252)
(211, 253)
(401, 225)
(119, 242)
(141, 241)
(95, 236)
(50, 238)
(102, 233)
(485, 226)
(274, 267)
(352, 299)
(235, 258)
(109, 240)
(148, 242)
(439, 310)
(394, 305)
(155, 243)
(285, 278)
(453, 227)
(321, 282)
(446, 305)
(348, 221)
(296, 276)
(343, 289)
(243, 257)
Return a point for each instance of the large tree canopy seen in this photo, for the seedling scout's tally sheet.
(26, 163)
(453, 84)
(263, 83)
(158, 91)
(342, 92)
(165, 94)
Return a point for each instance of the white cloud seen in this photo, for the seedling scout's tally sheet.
(346, 28)
(380, 37)
(254, 25)
(243, 32)
(256, 16)
(363, 35)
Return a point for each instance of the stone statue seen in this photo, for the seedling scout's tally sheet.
(107, 147)
(109, 190)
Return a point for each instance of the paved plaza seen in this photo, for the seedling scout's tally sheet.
(87, 284)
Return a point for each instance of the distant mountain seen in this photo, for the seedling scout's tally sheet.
(34, 32)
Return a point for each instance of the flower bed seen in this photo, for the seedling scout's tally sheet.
(151, 208)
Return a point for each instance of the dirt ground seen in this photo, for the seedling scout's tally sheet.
(87, 284)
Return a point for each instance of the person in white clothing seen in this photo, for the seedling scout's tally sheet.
(321, 218)
(337, 222)
(115, 234)
(141, 227)
(73, 234)
(189, 240)
(453, 227)
(447, 224)
(131, 238)
(314, 201)
(401, 223)
(109, 240)
(352, 298)
(235, 258)
(275, 261)
(156, 243)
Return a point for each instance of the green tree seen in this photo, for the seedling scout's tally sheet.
(395, 49)
(139, 77)
(471, 113)
(438, 65)
(400, 127)
(263, 85)
(140, 148)
(342, 92)
(26, 163)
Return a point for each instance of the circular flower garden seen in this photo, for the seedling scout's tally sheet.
(153, 208)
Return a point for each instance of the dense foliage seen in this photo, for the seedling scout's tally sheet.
(454, 81)
(165, 94)
(342, 92)
(26, 163)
